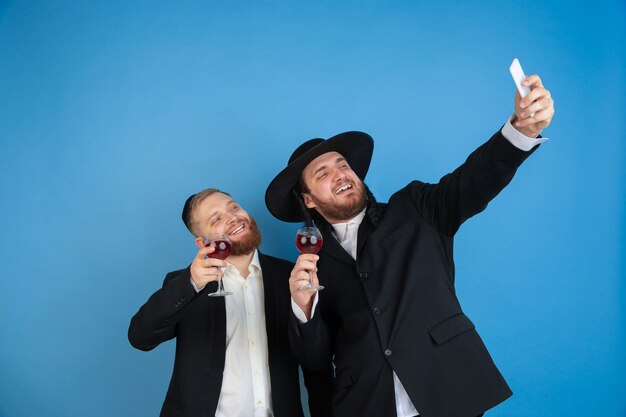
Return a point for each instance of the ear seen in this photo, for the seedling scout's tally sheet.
(308, 201)
(200, 242)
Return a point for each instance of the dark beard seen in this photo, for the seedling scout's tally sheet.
(250, 242)
(344, 212)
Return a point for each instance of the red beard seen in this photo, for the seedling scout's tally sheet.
(249, 242)
(345, 212)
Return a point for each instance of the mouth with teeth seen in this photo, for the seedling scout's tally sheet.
(237, 230)
(343, 189)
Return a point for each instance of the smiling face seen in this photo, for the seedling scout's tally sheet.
(333, 188)
(219, 213)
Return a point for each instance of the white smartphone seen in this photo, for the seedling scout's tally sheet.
(518, 77)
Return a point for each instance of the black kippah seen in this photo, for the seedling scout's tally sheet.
(187, 209)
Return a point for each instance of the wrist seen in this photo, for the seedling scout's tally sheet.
(307, 309)
(524, 130)
(196, 286)
(528, 132)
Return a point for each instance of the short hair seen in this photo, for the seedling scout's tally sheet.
(192, 202)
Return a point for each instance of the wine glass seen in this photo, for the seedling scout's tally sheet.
(222, 246)
(309, 240)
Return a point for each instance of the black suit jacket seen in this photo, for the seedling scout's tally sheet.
(395, 308)
(198, 323)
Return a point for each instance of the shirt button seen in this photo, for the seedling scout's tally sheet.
(388, 352)
(377, 311)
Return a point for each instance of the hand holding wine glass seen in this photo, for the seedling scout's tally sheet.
(222, 247)
(309, 240)
(303, 273)
(204, 269)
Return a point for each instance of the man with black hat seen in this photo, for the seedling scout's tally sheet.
(232, 353)
(388, 316)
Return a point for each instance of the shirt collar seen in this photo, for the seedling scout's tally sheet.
(340, 228)
(356, 220)
(255, 260)
(254, 263)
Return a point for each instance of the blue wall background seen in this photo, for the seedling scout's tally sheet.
(112, 113)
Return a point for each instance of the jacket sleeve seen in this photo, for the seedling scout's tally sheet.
(468, 189)
(155, 322)
(310, 342)
(319, 386)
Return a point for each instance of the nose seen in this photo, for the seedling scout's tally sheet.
(230, 218)
(338, 175)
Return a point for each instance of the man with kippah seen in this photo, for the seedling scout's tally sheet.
(388, 316)
(232, 353)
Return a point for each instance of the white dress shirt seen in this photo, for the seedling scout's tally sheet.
(346, 234)
(246, 388)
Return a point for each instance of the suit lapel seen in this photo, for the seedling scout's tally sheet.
(268, 287)
(333, 248)
(365, 229)
(269, 300)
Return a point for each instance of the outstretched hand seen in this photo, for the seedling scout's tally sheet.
(535, 111)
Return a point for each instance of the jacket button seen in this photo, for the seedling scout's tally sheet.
(377, 311)
(388, 352)
(363, 275)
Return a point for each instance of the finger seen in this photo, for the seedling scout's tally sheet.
(525, 122)
(544, 118)
(537, 106)
(533, 96)
(536, 119)
(203, 275)
(306, 266)
(214, 263)
(299, 276)
(311, 257)
(532, 81)
(298, 280)
(203, 252)
(212, 273)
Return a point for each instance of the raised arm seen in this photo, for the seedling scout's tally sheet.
(468, 189)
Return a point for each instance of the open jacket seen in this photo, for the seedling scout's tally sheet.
(198, 323)
(395, 308)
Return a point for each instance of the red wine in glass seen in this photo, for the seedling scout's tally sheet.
(309, 240)
(222, 246)
(308, 244)
(222, 249)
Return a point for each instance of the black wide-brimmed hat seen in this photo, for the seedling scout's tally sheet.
(356, 147)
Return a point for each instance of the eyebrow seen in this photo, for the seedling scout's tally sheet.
(323, 167)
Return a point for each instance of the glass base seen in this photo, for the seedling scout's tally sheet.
(311, 288)
(220, 294)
